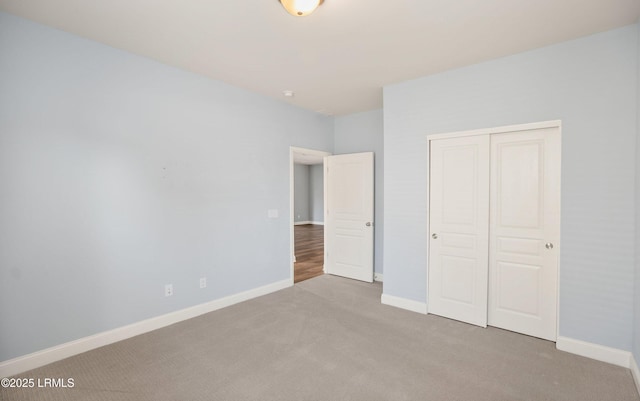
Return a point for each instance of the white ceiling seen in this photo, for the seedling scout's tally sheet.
(338, 59)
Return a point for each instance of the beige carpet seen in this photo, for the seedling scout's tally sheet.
(329, 338)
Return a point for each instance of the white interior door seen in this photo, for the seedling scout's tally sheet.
(349, 216)
(525, 231)
(459, 228)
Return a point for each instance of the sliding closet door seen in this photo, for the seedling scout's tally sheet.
(459, 225)
(525, 231)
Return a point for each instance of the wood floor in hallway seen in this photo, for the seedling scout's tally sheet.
(309, 249)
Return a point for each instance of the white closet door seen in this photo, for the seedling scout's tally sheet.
(524, 232)
(459, 225)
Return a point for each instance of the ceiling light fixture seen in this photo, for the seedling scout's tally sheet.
(300, 8)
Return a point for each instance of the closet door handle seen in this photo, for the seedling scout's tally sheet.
(434, 236)
(548, 245)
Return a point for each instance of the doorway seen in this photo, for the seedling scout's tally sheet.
(307, 213)
(347, 212)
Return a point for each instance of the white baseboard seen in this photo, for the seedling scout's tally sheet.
(378, 277)
(601, 353)
(44, 357)
(595, 351)
(300, 223)
(635, 371)
(403, 303)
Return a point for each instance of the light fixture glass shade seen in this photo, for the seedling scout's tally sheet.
(300, 8)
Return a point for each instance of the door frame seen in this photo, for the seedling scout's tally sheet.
(293, 152)
(488, 131)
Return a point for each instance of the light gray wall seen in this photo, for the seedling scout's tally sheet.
(363, 132)
(589, 84)
(316, 192)
(119, 175)
(636, 336)
(301, 200)
(308, 195)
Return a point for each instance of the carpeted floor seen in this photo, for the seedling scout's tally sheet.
(329, 338)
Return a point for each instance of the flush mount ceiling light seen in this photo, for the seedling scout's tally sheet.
(300, 8)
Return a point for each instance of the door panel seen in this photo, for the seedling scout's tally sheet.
(524, 210)
(349, 220)
(518, 288)
(459, 225)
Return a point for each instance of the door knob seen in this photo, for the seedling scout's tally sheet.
(548, 245)
(434, 236)
(368, 224)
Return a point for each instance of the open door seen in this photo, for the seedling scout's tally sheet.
(349, 216)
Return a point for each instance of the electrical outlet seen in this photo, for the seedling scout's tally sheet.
(203, 282)
(168, 290)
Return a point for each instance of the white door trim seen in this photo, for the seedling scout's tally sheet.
(293, 151)
(497, 130)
